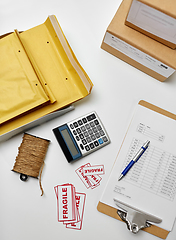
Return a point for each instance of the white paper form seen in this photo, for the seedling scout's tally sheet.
(150, 185)
(153, 21)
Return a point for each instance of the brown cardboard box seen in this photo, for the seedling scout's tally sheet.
(155, 18)
(137, 49)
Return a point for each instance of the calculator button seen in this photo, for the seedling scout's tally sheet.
(81, 136)
(92, 124)
(78, 130)
(91, 145)
(91, 117)
(96, 143)
(102, 133)
(74, 132)
(105, 139)
(96, 122)
(93, 137)
(87, 148)
(84, 141)
(99, 127)
(83, 128)
(84, 120)
(88, 139)
(82, 147)
(77, 138)
(95, 130)
(90, 131)
(87, 126)
(80, 122)
(75, 124)
(86, 134)
(97, 135)
(71, 126)
(100, 141)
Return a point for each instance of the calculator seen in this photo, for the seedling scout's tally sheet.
(81, 136)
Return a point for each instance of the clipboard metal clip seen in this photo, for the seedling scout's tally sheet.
(134, 218)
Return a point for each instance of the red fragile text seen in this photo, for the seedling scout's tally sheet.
(65, 203)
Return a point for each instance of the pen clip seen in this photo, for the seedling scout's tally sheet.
(134, 218)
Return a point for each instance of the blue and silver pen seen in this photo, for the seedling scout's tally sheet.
(134, 160)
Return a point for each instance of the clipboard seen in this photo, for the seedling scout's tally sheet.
(111, 211)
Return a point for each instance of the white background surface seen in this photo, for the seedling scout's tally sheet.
(118, 87)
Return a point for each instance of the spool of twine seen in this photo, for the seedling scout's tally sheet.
(31, 156)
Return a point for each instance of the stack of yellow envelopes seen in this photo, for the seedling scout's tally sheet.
(39, 75)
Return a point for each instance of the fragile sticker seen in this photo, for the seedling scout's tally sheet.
(89, 175)
(92, 170)
(70, 206)
(80, 204)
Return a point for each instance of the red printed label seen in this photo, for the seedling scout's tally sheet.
(92, 170)
(65, 195)
(89, 175)
(70, 206)
(84, 179)
(80, 203)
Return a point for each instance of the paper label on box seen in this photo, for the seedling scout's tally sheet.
(139, 56)
(152, 21)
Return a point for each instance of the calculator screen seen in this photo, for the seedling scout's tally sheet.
(69, 142)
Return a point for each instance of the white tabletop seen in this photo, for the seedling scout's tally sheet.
(118, 87)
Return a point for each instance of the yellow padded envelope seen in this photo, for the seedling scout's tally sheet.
(20, 89)
(52, 65)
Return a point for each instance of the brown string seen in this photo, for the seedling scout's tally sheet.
(31, 155)
(40, 181)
